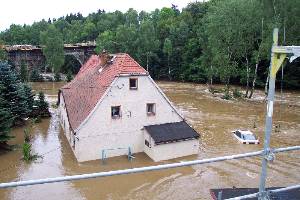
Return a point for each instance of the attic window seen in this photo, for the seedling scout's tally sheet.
(150, 108)
(133, 83)
(115, 112)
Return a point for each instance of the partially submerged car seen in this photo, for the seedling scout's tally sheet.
(245, 137)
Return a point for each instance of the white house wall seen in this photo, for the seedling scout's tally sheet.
(64, 121)
(170, 150)
(100, 131)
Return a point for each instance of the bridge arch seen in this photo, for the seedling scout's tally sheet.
(72, 63)
(79, 56)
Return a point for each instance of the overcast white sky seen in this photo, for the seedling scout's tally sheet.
(28, 11)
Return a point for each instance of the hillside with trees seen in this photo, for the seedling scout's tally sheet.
(207, 42)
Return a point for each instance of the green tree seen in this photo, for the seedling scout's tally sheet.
(107, 41)
(23, 72)
(3, 54)
(53, 48)
(148, 44)
(89, 31)
(229, 39)
(167, 49)
(126, 38)
(131, 17)
(57, 77)
(6, 119)
(29, 97)
(43, 106)
(69, 76)
(13, 93)
(35, 75)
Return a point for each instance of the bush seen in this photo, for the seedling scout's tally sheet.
(226, 95)
(27, 136)
(236, 93)
(215, 90)
(37, 119)
(16, 98)
(27, 152)
(57, 77)
(35, 76)
(69, 76)
(23, 72)
(211, 90)
(43, 105)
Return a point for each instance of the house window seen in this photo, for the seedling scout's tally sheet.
(150, 108)
(133, 83)
(115, 112)
(147, 143)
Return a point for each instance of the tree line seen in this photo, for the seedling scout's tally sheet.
(208, 42)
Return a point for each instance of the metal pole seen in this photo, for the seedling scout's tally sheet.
(268, 126)
(278, 55)
(220, 195)
(141, 169)
(103, 156)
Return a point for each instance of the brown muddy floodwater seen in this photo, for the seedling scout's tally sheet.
(212, 117)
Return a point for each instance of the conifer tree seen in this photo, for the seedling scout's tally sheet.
(29, 96)
(5, 120)
(35, 76)
(43, 105)
(23, 72)
(13, 93)
(3, 54)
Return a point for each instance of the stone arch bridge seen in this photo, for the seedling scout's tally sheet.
(33, 56)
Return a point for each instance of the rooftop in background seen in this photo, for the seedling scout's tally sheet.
(236, 192)
(171, 132)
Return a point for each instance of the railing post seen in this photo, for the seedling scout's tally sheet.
(103, 156)
(220, 195)
(276, 61)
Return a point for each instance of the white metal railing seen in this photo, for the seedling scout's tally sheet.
(143, 169)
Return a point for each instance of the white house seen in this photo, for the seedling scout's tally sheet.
(113, 107)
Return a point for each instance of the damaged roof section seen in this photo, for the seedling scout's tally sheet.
(171, 132)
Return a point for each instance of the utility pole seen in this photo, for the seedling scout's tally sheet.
(278, 54)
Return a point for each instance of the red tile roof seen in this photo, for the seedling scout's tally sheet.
(83, 93)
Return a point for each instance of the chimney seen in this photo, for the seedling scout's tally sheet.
(104, 57)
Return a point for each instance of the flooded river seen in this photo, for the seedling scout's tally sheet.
(212, 117)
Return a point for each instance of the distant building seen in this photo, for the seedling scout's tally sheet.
(33, 57)
(113, 106)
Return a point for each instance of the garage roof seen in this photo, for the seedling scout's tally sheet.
(171, 132)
